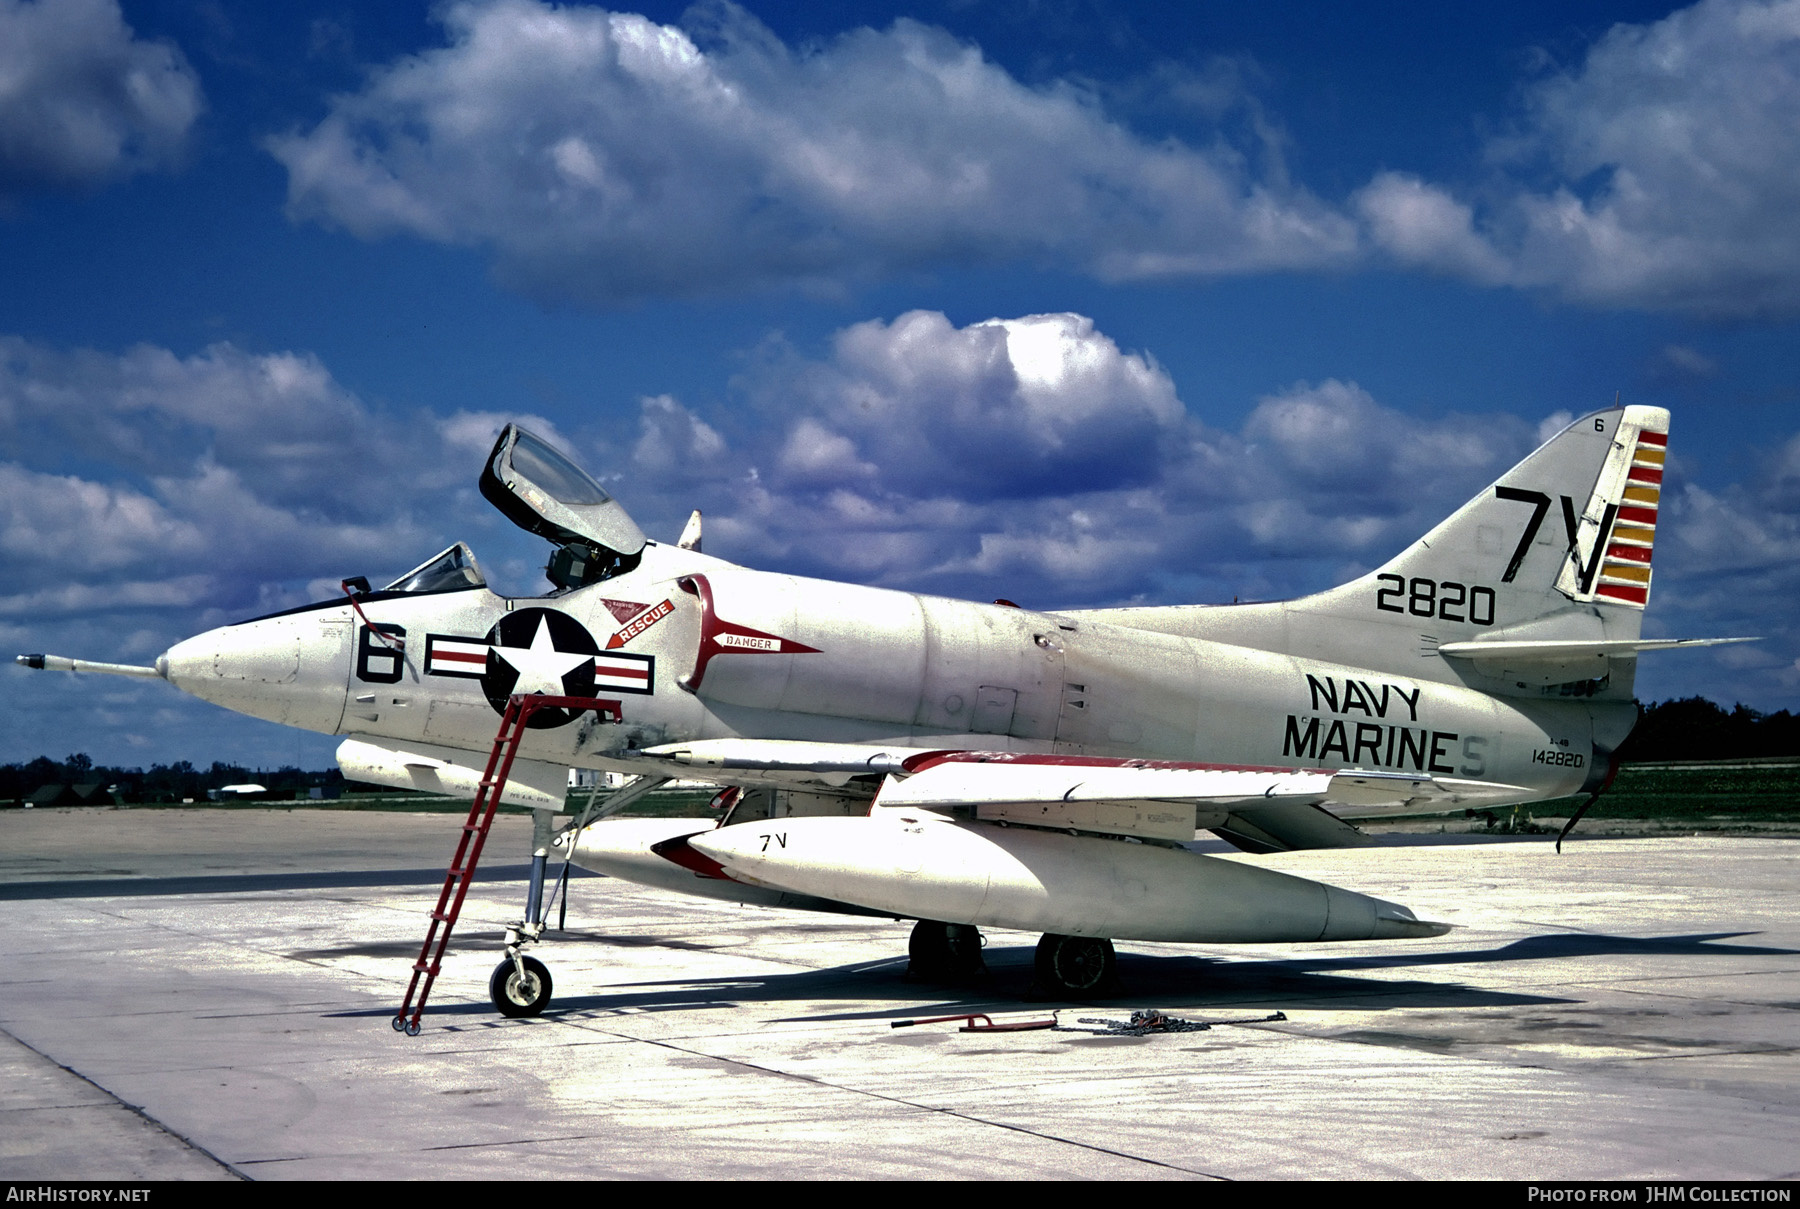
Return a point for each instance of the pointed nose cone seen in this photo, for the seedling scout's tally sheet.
(294, 670)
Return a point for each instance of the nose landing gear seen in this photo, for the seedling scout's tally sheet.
(520, 985)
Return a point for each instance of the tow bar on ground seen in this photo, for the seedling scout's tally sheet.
(969, 1026)
(1141, 1024)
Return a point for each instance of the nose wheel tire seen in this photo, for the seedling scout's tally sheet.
(516, 996)
(1076, 966)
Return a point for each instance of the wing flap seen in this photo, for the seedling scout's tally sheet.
(1370, 795)
(1109, 797)
(1287, 826)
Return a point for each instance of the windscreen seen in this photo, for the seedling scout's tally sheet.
(447, 572)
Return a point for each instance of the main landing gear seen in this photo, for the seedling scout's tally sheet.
(1076, 966)
(1072, 967)
(944, 952)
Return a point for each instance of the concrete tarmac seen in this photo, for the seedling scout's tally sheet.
(206, 995)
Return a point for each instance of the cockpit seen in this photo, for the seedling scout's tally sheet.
(542, 492)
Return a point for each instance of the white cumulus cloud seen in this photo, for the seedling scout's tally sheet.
(252, 474)
(83, 100)
(604, 157)
(1661, 173)
(1034, 458)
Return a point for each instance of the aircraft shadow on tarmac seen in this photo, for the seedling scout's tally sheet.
(1146, 980)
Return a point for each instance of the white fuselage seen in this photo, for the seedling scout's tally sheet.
(695, 648)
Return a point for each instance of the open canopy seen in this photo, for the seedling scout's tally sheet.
(545, 493)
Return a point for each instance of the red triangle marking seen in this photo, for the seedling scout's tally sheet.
(623, 610)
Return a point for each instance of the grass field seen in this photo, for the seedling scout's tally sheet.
(1750, 792)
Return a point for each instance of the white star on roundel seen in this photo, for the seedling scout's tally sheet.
(541, 667)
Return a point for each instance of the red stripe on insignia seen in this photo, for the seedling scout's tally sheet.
(458, 657)
(1645, 474)
(1658, 439)
(1623, 592)
(1637, 516)
(1636, 554)
(622, 673)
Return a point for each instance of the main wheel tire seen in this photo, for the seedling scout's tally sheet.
(520, 997)
(940, 952)
(1078, 966)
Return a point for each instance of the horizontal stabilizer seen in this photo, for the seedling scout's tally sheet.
(1561, 660)
(1558, 650)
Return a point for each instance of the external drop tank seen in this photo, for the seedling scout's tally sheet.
(920, 865)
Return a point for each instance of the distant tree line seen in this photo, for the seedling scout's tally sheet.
(162, 783)
(1696, 729)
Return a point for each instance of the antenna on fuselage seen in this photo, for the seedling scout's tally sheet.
(690, 534)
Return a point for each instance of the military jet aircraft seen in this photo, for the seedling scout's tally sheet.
(968, 765)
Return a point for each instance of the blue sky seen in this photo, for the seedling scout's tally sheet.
(1072, 303)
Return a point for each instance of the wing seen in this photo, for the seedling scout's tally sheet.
(1257, 809)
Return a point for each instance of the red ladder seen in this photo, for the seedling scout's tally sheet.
(513, 724)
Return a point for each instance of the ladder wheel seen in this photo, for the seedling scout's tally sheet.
(399, 1024)
(520, 997)
(412, 1028)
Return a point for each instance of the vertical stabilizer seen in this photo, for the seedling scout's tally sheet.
(1555, 551)
(1559, 546)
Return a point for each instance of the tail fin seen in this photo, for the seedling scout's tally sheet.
(1566, 534)
(1537, 585)
(1539, 581)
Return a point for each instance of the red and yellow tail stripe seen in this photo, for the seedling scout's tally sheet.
(1625, 575)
